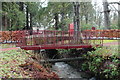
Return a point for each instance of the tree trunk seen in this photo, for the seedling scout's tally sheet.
(4, 22)
(62, 14)
(63, 60)
(106, 14)
(86, 18)
(56, 21)
(31, 24)
(77, 28)
(8, 23)
(62, 26)
(74, 9)
(99, 23)
(119, 15)
(21, 6)
(1, 16)
(62, 17)
(27, 18)
(78, 18)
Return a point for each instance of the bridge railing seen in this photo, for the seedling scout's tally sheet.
(105, 34)
(46, 37)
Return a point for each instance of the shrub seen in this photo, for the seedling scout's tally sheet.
(103, 64)
(10, 35)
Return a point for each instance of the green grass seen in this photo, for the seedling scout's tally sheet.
(10, 61)
(107, 51)
(99, 41)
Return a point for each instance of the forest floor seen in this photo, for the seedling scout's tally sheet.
(18, 63)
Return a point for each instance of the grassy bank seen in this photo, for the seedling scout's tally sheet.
(10, 61)
(22, 64)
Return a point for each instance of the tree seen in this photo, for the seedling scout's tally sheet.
(119, 15)
(76, 7)
(56, 15)
(1, 16)
(76, 16)
(27, 18)
(87, 15)
(12, 16)
(19, 15)
(106, 14)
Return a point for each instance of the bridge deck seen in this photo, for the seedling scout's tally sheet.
(37, 47)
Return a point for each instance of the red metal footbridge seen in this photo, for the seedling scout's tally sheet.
(46, 39)
(54, 40)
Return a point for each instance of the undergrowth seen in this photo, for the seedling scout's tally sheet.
(104, 63)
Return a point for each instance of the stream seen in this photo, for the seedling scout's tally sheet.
(66, 71)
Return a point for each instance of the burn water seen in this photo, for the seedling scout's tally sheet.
(65, 71)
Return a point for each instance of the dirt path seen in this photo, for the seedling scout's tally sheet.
(6, 49)
(111, 43)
